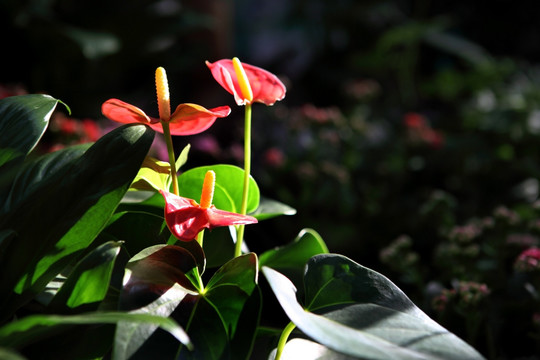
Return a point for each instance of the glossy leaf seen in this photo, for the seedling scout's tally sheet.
(183, 157)
(234, 293)
(224, 319)
(228, 190)
(308, 243)
(137, 229)
(361, 313)
(269, 208)
(88, 283)
(8, 354)
(19, 333)
(156, 281)
(23, 120)
(130, 336)
(83, 194)
(33, 173)
(153, 175)
(299, 348)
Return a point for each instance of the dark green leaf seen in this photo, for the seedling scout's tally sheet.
(138, 229)
(308, 243)
(88, 283)
(228, 190)
(31, 328)
(23, 120)
(130, 336)
(7, 354)
(154, 271)
(155, 282)
(73, 206)
(269, 208)
(231, 292)
(32, 174)
(363, 314)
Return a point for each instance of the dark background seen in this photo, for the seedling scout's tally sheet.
(338, 148)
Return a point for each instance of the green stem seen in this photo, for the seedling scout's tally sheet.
(247, 170)
(283, 339)
(200, 237)
(172, 160)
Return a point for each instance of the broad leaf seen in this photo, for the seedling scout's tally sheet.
(33, 173)
(153, 175)
(269, 208)
(291, 258)
(138, 230)
(234, 293)
(88, 283)
(228, 190)
(19, 333)
(363, 314)
(23, 120)
(308, 243)
(307, 349)
(73, 206)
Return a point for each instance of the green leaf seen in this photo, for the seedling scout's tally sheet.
(34, 173)
(138, 229)
(155, 270)
(361, 313)
(234, 293)
(19, 333)
(23, 120)
(88, 283)
(153, 175)
(70, 208)
(309, 350)
(308, 243)
(269, 208)
(130, 336)
(183, 157)
(8, 354)
(155, 282)
(228, 190)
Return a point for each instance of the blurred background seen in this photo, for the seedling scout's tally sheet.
(408, 137)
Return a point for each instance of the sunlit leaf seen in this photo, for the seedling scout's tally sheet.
(269, 208)
(308, 243)
(88, 283)
(228, 190)
(153, 175)
(23, 120)
(363, 314)
(22, 332)
(74, 204)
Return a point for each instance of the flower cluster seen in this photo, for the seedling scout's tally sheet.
(528, 260)
(465, 295)
(185, 217)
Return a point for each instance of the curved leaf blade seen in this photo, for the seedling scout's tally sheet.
(362, 312)
(307, 244)
(331, 333)
(88, 283)
(269, 208)
(83, 194)
(23, 120)
(31, 328)
(228, 190)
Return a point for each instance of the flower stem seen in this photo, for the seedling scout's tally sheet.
(247, 169)
(172, 160)
(283, 339)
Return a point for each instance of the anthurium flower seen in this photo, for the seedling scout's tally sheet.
(186, 218)
(187, 119)
(247, 83)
